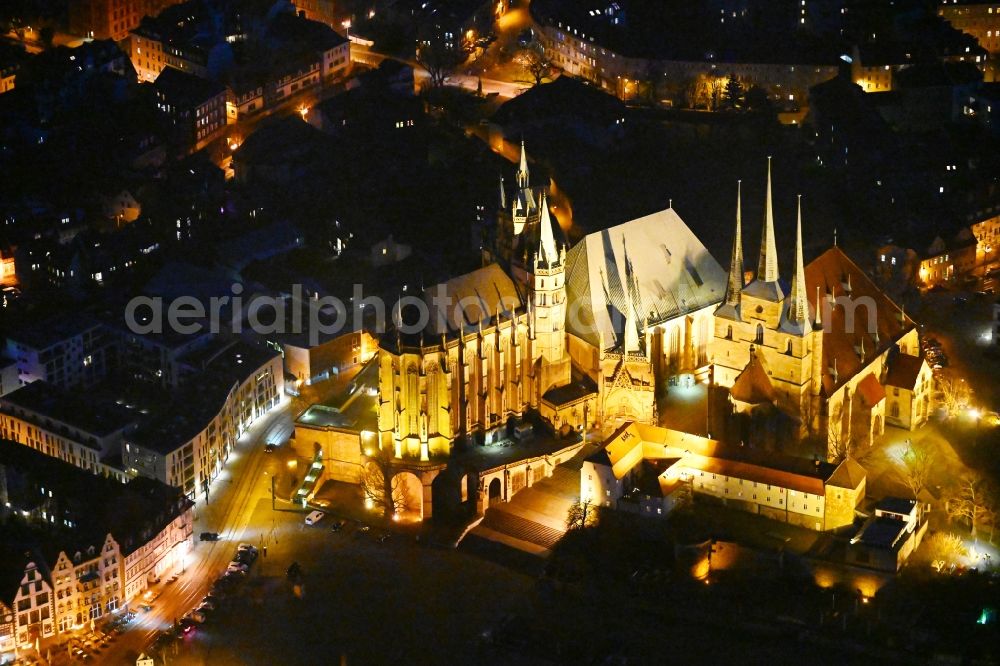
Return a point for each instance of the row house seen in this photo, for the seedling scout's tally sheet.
(87, 585)
(187, 447)
(65, 425)
(68, 352)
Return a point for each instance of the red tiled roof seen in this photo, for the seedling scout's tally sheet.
(871, 390)
(844, 336)
(751, 472)
(904, 370)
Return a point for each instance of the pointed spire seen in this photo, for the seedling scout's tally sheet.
(503, 195)
(522, 170)
(735, 286)
(547, 252)
(767, 267)
(631, 339)
(798, 306)
(819, 309)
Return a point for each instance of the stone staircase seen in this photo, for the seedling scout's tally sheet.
(535, 518)
(519, 528)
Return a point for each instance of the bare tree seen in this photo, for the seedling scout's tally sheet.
(918, 461)
(581, 514)
(535, 62)
(955, 394)
(842, 442)
(439, 59)
(942, 549)
(973, 500)
(381, 487)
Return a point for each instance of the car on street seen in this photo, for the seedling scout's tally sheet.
(145, 607)
(186, 625)
(382, 538)
(320, 502)
(247, 546)
(294, 570)
(339, 525)
(244, 557)
(269, 448)
(206, 607)
(197, 616)
(314, 517)
(237, 567)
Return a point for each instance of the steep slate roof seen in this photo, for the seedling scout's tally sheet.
(843, 336)
(480, 295)
(653, 264)
(753, 386)
(186, 90)
(904, 370)
(849, 474)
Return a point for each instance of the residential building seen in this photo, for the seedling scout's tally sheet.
(651, 470)
(309, 359)
(948, 258)
(158, 358)
(389, 251)
(317, 10)
(977, 106)
(632, 59)
(12, 56)
(8, 627)
(987, 234)
(996, 323)
(109, 537)
(74, 428)
(188, 443)
(909, 383)
(889, 537)
(195, 106)
(68, 351)
(111, 19)
(262, 59)
(979, 19)
(9, 378)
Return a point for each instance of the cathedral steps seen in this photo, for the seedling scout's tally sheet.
(511, 525)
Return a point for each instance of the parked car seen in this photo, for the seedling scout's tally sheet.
(197, 616)
(244, 557)
(206, 606)
(247, 546)
(294, 570)
(314, 517)
(339, 525)
(186, 625)
(209, 536)
(237, 567)
(269, 448)
(320, 502)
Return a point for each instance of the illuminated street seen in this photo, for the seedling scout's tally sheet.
(499, 332)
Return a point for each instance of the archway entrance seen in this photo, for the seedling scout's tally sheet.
(408, 496)
(495, 491)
